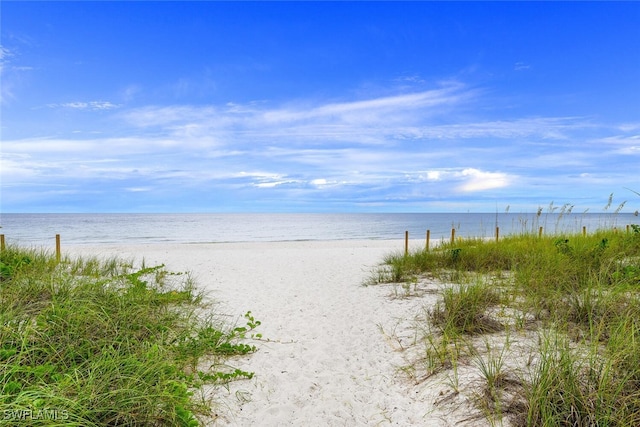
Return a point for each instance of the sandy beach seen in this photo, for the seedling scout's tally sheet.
(331, 348)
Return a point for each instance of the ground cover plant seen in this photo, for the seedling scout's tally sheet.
(577, 295)
(89, 342)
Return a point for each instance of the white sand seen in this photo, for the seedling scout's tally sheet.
(330, 353)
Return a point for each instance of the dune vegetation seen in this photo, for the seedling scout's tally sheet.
(89, 342)
(574, 299)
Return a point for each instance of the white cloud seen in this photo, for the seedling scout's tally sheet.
(93, 149)
(138, 189)
(17, 167)
(272, 184)
(465, 180)
(629, 127)
(623, 145)
(260, 179)
(632, 150)
(324, 183)
(167, 116)
(477, 180)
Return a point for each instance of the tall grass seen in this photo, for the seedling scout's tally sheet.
(583, 293)
(462, 310)
(87, 342)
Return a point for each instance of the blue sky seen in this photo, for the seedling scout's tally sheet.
(316, 107)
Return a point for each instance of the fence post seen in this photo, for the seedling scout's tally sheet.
(428, 236)
(627, 228)
(584, 230)
(57, 247)
(406, 243)
(453, 236)
(540, 232)
(1, 242)
(497, 233)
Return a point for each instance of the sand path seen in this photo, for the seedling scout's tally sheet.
(324, 359)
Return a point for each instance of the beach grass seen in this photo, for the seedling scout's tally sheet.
(577, 298)
(90, 342)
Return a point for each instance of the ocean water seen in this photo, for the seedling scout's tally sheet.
(40, 229)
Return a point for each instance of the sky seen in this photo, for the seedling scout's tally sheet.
(318, 106)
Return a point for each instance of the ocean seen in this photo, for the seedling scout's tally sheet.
(78, 229)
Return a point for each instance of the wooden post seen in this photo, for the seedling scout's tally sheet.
(428, 236)
(540, 232)
(627, 228)
(453, 236)
(406, 243)
(1, 242)
(584, 230)
(57, 247)
(497, 233)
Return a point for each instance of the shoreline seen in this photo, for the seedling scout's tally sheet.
(138, 250)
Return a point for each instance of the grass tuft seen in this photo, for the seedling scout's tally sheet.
(87, 342)
(463, 310)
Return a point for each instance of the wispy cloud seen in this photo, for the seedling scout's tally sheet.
(543, 127)
(5, 54)
(372, 110)
(81, 105)
(375, 121)
(304, 117)
(11, 72)
(6, 88)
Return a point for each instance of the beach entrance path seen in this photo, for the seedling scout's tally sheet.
(328, 362)
(328, 355)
